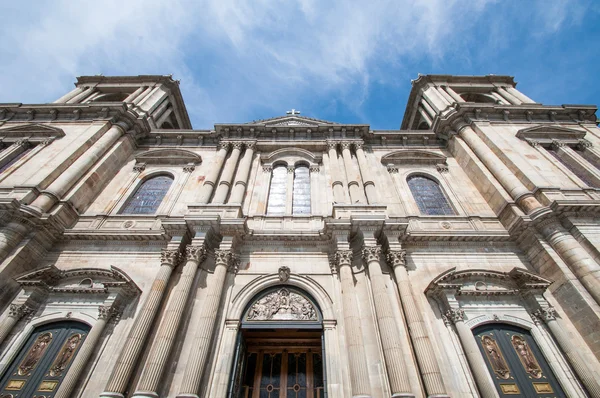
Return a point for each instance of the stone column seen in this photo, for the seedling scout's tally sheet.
(135, 94)
(167, 331)
(241, 178)
(198, 356)
(390, 337)
(76, 99)
(516, 93)
(353, 184)
(548, 315)
(85, 352)
(453, 94)
(508, 96)
(213, 174)
(227, 175)
(336, 177)
(359, 376)
(477, 364)
(15, 313)
(366, 174)
(69, 95)
(10, 236)
(13, 151)
(428, 366)
(128, 359)
(507, 178)
(574, 255)
(78, 168)
(143, 95)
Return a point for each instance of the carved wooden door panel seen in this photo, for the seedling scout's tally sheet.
(515, 362)
(42, 363)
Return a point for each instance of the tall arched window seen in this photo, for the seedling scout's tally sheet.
(278, 191)
(429, 196)
(148, 196)
(40, 366)
(301, 194)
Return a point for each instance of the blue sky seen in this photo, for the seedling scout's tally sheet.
(345, 61)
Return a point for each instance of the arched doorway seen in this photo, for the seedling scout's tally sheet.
(280, 350)
(515, 362)
(42, 363)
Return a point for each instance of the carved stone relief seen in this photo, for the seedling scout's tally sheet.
(282, 305)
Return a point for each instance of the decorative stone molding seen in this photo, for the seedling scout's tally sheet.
(284, 274)
(392, 169)
(224, 145)
(223, 257)
(314, 169)
(195, 253)
(237, 145)
(282, 305)
(267, 168)
(32, 131)
(545, 135)
(396, 258)
(441, 168)
(371, 253)
(171, 156)
(19, 311)
(532, 142)
(290, 169)
(139, 167)
(332, 145)
(188, 168)
(583, 143)
(557, 143)
(413, 156)
(170, 257)
(109, 313)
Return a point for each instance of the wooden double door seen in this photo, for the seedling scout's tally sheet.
(279, 366)
(515, 362)
(40, 366)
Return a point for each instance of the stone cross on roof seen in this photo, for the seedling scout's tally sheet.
(293, 112)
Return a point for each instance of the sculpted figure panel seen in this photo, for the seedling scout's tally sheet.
(282, 305)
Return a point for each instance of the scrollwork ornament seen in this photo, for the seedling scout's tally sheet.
(455, 315)
(139, 167)
(238, 145)
(19, 311)
(345, 145)
(224, 145)
(109, 313)
(396, 258)
(234, 264)
(332, 145)
(371, 253)
(169, 257)
(343, 257)
(583, 144)
(196, 253)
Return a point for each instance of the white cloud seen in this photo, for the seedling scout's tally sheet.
(235, 57)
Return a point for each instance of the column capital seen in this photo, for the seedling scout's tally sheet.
(170, 257)
(195, 253)
(109, 312)
(237, 145)
(314, 169)
(226, 258)
(441, 168)
(267, 168)
(557, 143)
(250, 145)
(345, 145)
(455, 315)
(358, 145)
(290, 169)
(343, 257)
(545, 314)
(332, 144)
(224, 145)
(371, 253)
(19, 311)
(392, 169)
(583, 143)
(396, 258)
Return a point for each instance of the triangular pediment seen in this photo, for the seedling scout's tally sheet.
(169, 156)
(484, 282)
(31, 129)
(549, 133)
(292, 121)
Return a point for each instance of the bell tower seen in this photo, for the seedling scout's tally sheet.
(153, 96)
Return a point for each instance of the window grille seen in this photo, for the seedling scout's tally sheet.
(148, 197)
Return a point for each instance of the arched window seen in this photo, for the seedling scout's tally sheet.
(429, 196)
(148, 196)
(40, 366)
(301, 193)
(278, 191)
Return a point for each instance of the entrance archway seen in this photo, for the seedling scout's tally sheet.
(515, 362)
(280, 350)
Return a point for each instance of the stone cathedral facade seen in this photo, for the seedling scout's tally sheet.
(292, 257)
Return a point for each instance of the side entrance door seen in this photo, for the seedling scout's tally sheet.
(515, 362)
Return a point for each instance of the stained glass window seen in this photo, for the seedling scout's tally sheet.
(429, 196)
(278, 191)
(301, 198)
(148, 196)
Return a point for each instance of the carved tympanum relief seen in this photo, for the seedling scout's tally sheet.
(282, 305)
